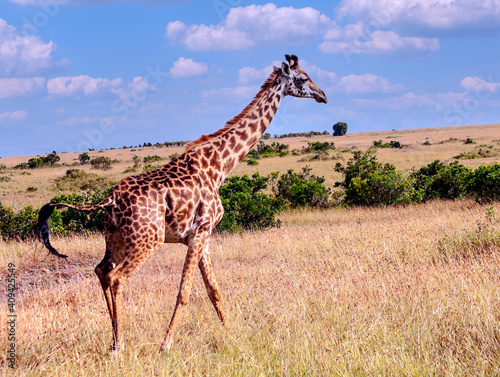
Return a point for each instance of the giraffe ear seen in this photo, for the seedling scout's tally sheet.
(285, 68)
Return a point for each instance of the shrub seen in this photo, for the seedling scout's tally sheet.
(252, 161)
(39, 162)
(173, 156)
(318, 146)
(101, 162)
(391, 144)
(80, 180)
(369, 182)
(83, 158)
(269, 150)
(484, 183)
(17, 226)
(437, 180)
(245, 206)
(66, 221)
(32, 189)
(482, 151)
(150, 159)
(301, 189)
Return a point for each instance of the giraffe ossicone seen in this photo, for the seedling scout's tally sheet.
(179, 202)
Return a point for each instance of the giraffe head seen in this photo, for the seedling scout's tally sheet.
(299, 84)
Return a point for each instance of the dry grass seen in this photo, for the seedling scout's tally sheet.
(14, 192)
(337, 292)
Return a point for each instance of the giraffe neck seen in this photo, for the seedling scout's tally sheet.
(227, 146)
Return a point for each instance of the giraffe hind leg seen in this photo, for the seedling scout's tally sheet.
(117, 278)
(213, 290)
(102, 271)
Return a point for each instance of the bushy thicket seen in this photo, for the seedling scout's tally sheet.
(369, 182)
(263, 150)
(246, 206)
(39, 162)
(301, 189)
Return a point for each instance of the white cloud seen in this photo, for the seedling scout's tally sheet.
(366, 83)
(13, 87)
(351, 84)
(250, 74)
(357, 39)
(24, 55)
(77, 85)
(15, 115)
(135, 91)
(479, 85)
(188, 68)
(246, 27)
(425, 15)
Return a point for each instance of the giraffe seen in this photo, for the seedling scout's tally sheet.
(180, 203)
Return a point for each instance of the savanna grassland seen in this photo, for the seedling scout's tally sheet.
(402, 290)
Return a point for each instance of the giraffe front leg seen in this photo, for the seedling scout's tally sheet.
(196, 245)
(210, 283)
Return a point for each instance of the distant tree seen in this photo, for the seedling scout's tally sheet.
(83, 158)
(266, 136)
(339, 129)
(52, 158)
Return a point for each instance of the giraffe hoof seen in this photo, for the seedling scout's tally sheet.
(115, 350)
(165, 346)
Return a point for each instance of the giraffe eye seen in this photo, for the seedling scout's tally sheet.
(303, 80)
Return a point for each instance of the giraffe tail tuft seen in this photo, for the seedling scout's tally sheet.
(42, 228)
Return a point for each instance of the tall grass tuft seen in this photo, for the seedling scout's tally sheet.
(482, 239)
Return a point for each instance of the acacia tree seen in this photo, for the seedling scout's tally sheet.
(339, 129)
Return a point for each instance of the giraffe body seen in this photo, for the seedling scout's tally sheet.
(180, 203)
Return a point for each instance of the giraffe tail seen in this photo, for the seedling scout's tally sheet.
(42, 228)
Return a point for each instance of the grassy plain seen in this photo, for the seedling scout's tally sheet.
(360, 291)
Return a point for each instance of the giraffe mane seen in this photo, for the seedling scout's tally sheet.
(237, 118)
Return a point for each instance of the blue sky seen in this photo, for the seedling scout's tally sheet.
(78, 74)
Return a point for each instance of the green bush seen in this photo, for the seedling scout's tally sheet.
(440, 181)
(66, 221)
(80, 180)
(301, 189)
(101, 162)
(83, 158)
(150, 159)
(368, 182)
(318, 146)
(269, 150)
(484, 183)
(391, 144)
(39, 162)
(17, 226)
(246, 206)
